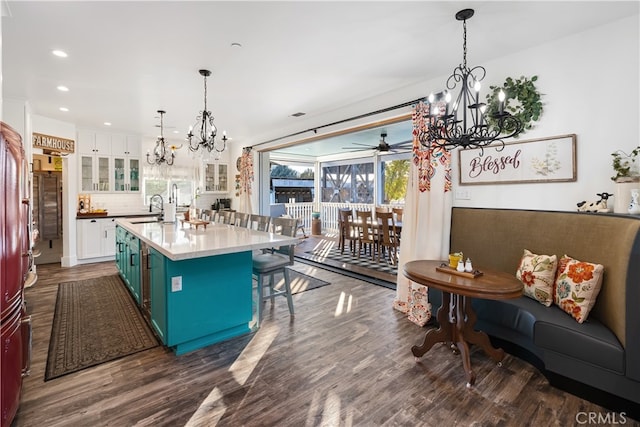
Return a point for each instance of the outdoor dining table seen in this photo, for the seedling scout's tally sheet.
(375, 225)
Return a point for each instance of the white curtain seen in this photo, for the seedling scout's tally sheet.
(426, 221)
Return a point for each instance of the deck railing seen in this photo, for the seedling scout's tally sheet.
(302, 211)
(328, 213)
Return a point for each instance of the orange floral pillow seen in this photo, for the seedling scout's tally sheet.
(537, 273)
(577, 286)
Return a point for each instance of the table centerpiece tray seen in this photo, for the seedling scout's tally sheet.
(195, 222)
(445, 268)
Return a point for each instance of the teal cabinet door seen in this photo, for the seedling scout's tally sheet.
(128, 261)
(120, 242)
(158, 288)
(134, 268)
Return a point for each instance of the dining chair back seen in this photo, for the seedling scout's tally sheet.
(346, 230)
(284, 226)
(277, 260)
(387, 236)
(225, 217)
(397, 212)
(241, 219)
(259, 222)
(207, 214)
(366, 237)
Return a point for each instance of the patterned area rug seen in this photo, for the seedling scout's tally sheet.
(331, 251)
(95, 321)
(299, 282)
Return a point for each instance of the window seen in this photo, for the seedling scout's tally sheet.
(154, 184)
(394, 177)
(352, 183)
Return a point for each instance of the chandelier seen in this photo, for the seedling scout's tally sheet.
(467, 123)
(162, 155)
(205, 130)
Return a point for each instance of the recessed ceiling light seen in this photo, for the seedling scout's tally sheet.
(65, 109)
(298, 114)
(107, 123)
(63, 89)
(60, 53)
(176, 131)
(236, 44)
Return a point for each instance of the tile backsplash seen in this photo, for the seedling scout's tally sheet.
(119, 203)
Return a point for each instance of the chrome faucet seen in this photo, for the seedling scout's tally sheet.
(161, 206)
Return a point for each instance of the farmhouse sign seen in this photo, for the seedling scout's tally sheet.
(54, 143)
(551, 159)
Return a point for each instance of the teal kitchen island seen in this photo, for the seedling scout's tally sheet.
(194, 286)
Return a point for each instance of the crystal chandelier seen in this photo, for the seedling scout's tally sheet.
(205, 130)
(162, 155)
(466, 123)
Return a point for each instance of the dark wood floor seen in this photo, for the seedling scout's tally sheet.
(343, 360)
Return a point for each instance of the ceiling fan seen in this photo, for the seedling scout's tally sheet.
(383, 146)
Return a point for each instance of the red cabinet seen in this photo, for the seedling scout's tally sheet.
(14, 265)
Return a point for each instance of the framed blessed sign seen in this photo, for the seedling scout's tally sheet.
(551, 159)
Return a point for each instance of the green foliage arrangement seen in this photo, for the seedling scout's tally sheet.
(523, 101)
(623, 164)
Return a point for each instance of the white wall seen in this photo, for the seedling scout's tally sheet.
(590, 83)
(14, 114)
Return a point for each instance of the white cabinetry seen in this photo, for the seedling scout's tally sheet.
(95, 161)
(94, 173)
(109, 162)
(126, 174)
(126, 163)
(94, 143)
(96, 238)
(126, 145)
(216, 178)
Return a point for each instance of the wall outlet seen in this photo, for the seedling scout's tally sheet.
(463, 194)
(176, 284)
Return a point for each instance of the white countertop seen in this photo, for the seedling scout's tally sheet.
(178, 242)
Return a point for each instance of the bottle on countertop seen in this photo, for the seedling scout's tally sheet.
(467, 266)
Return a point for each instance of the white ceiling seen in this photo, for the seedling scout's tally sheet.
(129, 59)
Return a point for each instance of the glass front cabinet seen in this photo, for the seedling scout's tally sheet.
(95, 159)
(109, 162)
(216, 178)
(94, 173)
(126, 174)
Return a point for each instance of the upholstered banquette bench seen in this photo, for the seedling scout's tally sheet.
(604, 350)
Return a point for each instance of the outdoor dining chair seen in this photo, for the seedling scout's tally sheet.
(366, 237)
(387, 236)
(346, 230)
